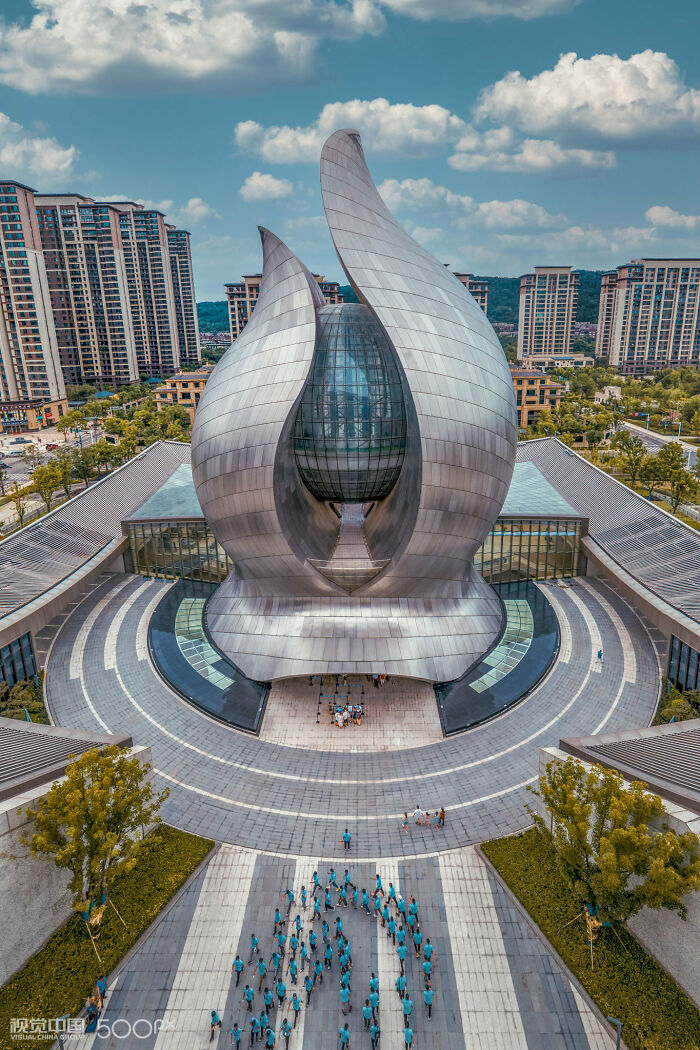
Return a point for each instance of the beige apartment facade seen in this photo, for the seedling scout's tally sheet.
(477, 287)
(547, 311)
(184, 389)
(535, 393)
(243, 295)
(649, 316)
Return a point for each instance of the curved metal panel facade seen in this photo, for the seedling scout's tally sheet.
(454, 365)
(385, 582)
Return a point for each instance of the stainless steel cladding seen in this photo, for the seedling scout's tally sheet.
(352, 459)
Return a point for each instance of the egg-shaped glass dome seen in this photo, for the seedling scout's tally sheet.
(349, 433)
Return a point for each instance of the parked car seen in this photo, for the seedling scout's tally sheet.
(51, 447)
(20, 441)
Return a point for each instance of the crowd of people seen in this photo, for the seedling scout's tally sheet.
(425, 819)
(307, 950)
(346, 714)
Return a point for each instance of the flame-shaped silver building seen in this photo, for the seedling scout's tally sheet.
(352, 459)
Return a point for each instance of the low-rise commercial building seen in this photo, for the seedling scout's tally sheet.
(535, 392)
(184, 389)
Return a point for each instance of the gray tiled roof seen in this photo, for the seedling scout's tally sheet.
(655, 548)
(35, 754)
(666, 757)
(36, 558)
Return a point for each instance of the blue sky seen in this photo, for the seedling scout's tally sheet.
(503, 133)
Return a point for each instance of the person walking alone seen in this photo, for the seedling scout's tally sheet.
(346, 839)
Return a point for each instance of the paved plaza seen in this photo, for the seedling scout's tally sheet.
(277, 805)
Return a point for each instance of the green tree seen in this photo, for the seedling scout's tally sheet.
(18, 496)
(103, 453)
(23, 698)
(607, 845)
(83, 463)
(670, 459)
(4, 481)
(64, 466)
(30, 457)
(91, 822)
(695, 423)
(683, 487)
(45, 480)
(650, 474)
(633, 455)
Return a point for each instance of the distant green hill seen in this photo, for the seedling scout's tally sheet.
(213, 317)
(504, 293)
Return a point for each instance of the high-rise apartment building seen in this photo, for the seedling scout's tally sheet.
(31, 380)
(478, 288)
(649, 315)
(183, 291)
(243, 296)
(548, 301)
(87, 281)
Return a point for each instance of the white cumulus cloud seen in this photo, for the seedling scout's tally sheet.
(397, 128)
(418, 193)
(501, 149)
(460, 10)
(194, 212)
(261, 186)
(515, 213)
(24, 154)
(662, 215)
(604, 96)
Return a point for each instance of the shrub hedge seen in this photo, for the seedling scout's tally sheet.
(59, 978)
(625, 982)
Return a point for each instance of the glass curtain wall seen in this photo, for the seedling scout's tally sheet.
(683, 666)
(177, 550)
(17, 661)
(531, 549)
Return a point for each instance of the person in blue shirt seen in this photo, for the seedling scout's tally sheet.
(400, 935)
(262, 1021)
(292, 968)
(303, 897)
(296, 1004)
(317, 909)
(236, 1034)
(270, 1038)
(392, 892)
(345, 999)
(344, 1038)
(290, 899)
(297, 924)
(215, 1023)
(253, 947)
(385, 914)
(343, 896)
(248, 995)
(408, 1035)
(313, 940)
(281, 990)
(413, 907)
(378, 884)
(417, 938)
(428, 1000)
(278, 920)
(328, 957)
(367, 1013)
(375, 1032)
(254, 1029)
(407, 1005)
(338, 927)
(402, 952)
(373, 983)
(354, 898)
(428, 949)
(237, 968)
(347, 880)
(275, 960)
(374, 1003)
(345, 979)
(327, 902)
(345, 960)
(318, 971)
(262, 970)
(346, 839)
(401, 905)
(286, 1031)
(377, 906)
(317, 884)
(325, 931)
(281, 940)
(268, 998)
(427, 970)
(391, 929)
(332, 881)
(309, 985)
(411, 920)
(365, 901)
(293, 944)
(303, 955)
(401, 985)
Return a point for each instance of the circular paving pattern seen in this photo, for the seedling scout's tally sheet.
(245, 790)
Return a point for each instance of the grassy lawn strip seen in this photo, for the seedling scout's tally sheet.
(58, 979)
(655, 1013)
